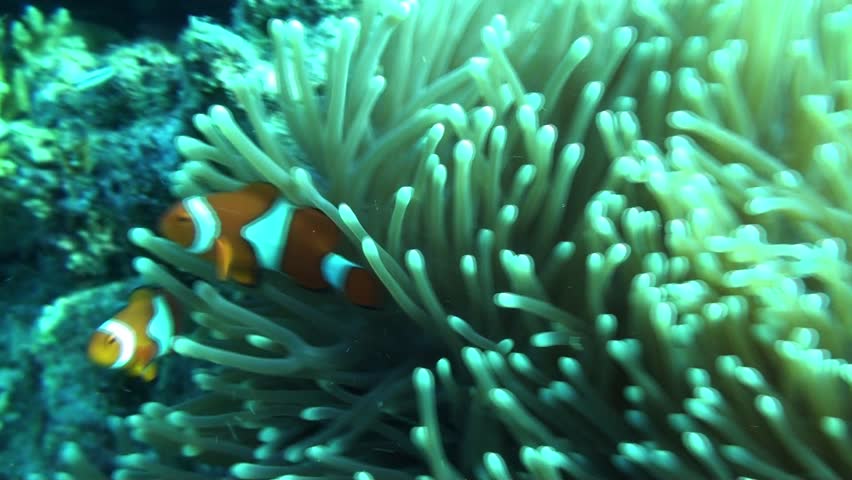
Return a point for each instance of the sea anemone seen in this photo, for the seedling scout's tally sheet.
(614, 236)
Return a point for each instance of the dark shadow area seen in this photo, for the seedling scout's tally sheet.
(162, 19)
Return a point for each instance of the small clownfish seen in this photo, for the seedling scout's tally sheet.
(136, 335)
(255, 228)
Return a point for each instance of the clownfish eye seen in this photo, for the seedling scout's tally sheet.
(184, 219)
(111, 339)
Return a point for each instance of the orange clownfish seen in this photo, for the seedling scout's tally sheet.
(255, 228)
(136, 335)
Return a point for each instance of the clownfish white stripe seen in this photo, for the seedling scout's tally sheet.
(335, 269)
(124, 336)
(161, 327)
(207, 225)
(267, 234)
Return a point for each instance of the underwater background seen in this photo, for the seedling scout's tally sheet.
(544, 239)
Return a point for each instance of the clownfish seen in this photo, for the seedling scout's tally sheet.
(136, 335)
(251, 229)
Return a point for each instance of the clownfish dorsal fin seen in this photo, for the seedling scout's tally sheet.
(263, 190)
(141, 294)
(224, 257)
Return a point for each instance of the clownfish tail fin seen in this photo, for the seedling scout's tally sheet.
(357, 284)
(363, 288)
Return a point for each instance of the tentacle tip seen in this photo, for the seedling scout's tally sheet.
(143, 265)
(204, 290)
(182, 345)
(139, 235)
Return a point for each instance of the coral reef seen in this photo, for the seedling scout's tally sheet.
(215, 57)
(77, 124)
(616, 237)
(251, 16)
(163, 19)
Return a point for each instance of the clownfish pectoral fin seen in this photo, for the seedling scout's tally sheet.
(144, 367)
(148, 372)
(224, 258)
(145, 371)
(244, 276)
(145, 354)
